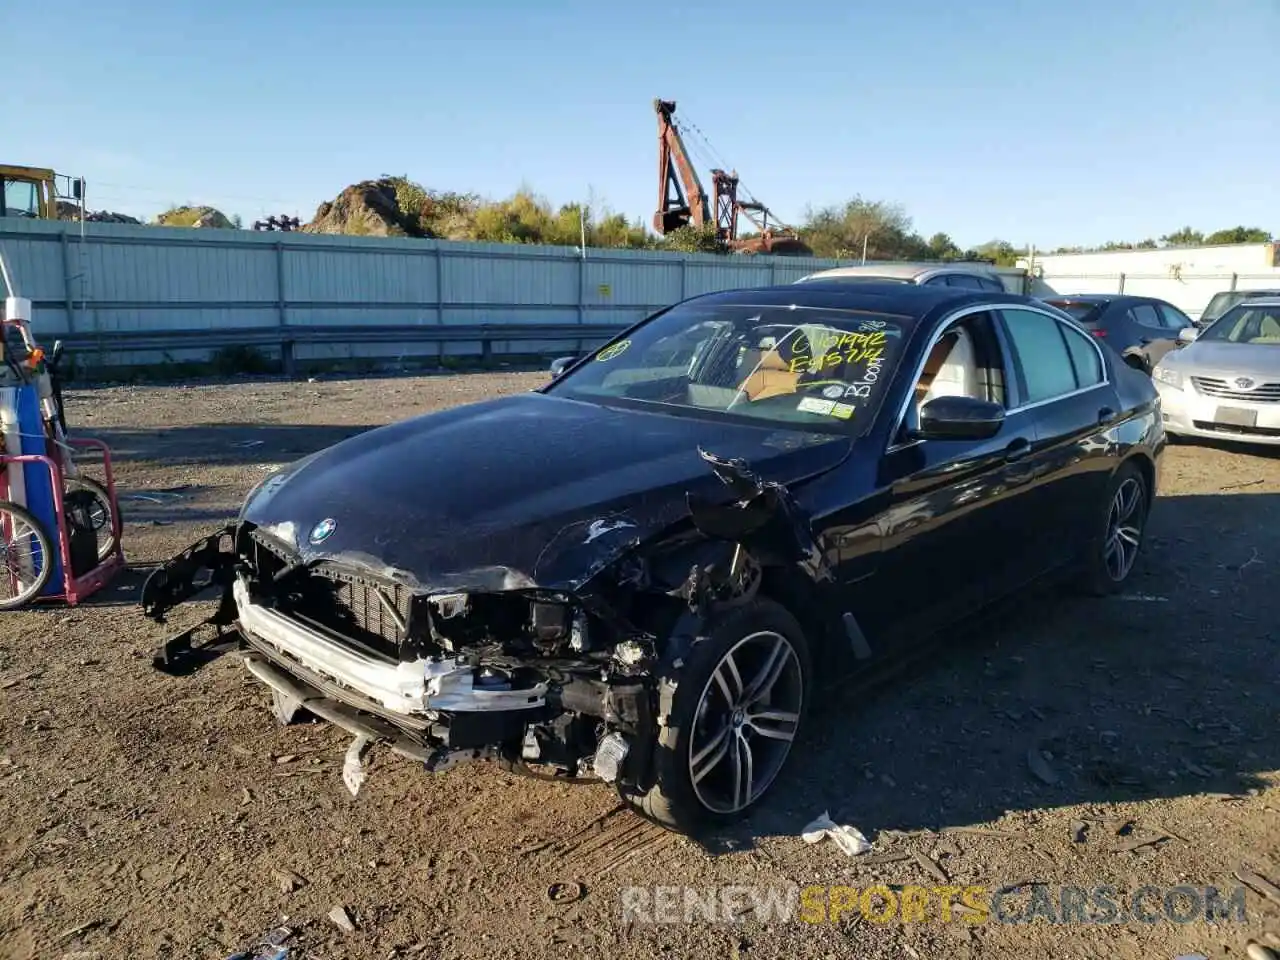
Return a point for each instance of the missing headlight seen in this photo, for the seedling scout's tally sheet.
(548, 621)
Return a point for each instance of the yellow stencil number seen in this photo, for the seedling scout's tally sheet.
(613, 350)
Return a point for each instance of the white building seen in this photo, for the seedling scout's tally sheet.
(1185, 276)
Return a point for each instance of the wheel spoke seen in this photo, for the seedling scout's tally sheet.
(706, 759)
(1129, 535)
(743, 774)
(769, 673)
(774, 724)
(729, 680)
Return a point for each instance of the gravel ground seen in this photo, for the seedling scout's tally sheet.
(149, 815)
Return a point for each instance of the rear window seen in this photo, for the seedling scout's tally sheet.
(1080, 312)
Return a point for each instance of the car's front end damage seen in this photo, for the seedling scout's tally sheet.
(559, 670)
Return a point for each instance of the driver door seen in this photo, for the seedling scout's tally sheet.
(953, 531)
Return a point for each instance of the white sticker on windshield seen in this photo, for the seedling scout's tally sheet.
(815, 405)
(835, 391)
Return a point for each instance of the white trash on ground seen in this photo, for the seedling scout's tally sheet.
(847, 838)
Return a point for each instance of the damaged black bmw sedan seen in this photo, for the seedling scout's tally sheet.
(640, 572)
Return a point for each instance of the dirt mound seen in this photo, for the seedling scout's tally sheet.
(369, 208)
(195, 217)
(69, 211)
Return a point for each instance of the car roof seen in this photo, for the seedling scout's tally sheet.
(904, 300)
(1082, 298)
(1270, 300)
(901, 270)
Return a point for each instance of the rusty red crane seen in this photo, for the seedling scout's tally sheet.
(682, 201)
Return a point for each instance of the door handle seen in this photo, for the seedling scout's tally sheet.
(1017, 449)
(1105, 415)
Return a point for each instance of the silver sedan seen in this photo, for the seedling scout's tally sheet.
(1224, 382)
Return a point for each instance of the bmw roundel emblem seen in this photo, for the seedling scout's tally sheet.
(323, 530)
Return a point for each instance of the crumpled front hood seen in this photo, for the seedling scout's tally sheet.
(517, 492)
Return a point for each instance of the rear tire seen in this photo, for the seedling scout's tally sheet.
(1120, 528)
(738, 707)
(97, 504)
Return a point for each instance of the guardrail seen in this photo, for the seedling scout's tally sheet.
(286, 338)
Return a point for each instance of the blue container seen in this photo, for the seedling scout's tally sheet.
(39, 481)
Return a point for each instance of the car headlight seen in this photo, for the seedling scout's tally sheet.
(1168, 376)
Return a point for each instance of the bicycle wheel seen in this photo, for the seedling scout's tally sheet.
(26, 552)
(97, 505)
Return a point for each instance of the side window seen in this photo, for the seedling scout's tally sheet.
(1084, 357)
(1174, 318)
(938, 281)
(1038, 341)
(990, 283)
(968, 281)
(1145, 314)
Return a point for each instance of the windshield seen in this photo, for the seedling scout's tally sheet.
(21, 199)
(808, 366)
(1083, 312)
(1245, 324)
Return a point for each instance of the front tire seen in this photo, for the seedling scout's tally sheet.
(1119, 533)
(739, 704)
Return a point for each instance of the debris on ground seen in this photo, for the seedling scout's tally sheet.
(1040, 768)
(847, 838)
(1256, 951)
(1259, 884)
(288, 880)
(1079, 831)
(341, 918)
(270, 946)
(353, 764)
(565, 891)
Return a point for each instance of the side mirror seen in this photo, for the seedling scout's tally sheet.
(1187, 334)
(959, 418)
(560, 364)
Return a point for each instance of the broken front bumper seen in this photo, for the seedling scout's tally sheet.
(438, 711)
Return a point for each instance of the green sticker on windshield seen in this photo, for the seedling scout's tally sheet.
(613, 350)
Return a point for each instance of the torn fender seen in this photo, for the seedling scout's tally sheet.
(764, 518)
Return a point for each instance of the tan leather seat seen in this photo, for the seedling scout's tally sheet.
(772, 377)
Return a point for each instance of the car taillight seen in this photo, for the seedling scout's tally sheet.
(1098, 332)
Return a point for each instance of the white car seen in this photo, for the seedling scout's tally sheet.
(967, 275)
(1224, 382)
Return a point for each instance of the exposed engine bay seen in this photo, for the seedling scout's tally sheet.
(564, 681)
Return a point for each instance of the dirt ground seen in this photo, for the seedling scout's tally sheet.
(151, 816)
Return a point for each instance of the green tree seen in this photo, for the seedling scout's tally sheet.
(1186, 237)
(691, 239)
(942, 247)
(882, 229)
(1239, 235)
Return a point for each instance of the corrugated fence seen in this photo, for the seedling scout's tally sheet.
(143, 294)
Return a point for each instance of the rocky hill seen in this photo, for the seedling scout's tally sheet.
(195, 217)
(367, 209)
(69, 211)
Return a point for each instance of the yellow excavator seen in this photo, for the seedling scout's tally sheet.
(35, 193)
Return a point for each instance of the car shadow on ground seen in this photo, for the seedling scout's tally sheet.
(1165, 690)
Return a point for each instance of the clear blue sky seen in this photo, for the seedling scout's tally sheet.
(1052, 123)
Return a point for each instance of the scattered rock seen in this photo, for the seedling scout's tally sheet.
(341, 918)
(1256, 951)
(1079, 830)
(288, 880)
(286, 758)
